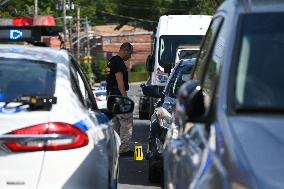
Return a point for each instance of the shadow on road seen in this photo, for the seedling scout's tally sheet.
(134, 174)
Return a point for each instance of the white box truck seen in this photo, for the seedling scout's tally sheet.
(172, 32)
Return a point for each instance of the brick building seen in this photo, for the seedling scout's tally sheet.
(53, 42)
(109, 39)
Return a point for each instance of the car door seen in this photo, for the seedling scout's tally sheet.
(187, 153)
(80, 164)
(210, 166)
(112, 140)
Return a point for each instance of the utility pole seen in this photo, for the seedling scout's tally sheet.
(88, 39)
(78, 35)
(36, 7)
(70, 36)
(64, 21)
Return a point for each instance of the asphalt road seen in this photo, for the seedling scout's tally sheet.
(134, 174)
(134, 93)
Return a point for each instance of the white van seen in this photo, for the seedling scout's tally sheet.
(173, 31)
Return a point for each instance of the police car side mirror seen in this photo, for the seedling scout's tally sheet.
(119, 104)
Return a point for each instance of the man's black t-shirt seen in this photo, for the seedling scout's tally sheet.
(115, 64)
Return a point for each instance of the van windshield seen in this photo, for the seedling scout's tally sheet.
(259, 80)
(169, 44)
(19, 77)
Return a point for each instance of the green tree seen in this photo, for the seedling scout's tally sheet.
(17, 8)
(145, 13)
(140, 13)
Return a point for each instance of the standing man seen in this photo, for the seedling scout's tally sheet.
(117, 84)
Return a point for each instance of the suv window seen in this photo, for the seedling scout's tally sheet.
(75, 84)
(259, 79)
(19, 77)
(212, 71)
(79, 86)
(206, 46)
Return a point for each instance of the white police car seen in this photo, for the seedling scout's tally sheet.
(51, 133)
(100, 96)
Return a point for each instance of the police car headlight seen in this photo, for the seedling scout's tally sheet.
(164, 118)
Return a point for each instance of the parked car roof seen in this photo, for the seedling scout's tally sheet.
(34, 53)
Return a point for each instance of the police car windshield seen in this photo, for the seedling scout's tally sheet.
(259, 80)
(19, 77)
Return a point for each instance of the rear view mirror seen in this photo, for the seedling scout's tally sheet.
(119, 104)
(153, 91)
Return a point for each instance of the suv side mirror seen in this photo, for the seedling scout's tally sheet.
(142, 85)
(190, 103)
(119, 104)
(150, 63)
(153, 91)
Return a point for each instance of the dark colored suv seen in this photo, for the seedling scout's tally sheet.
(161, 118)
(230, 116)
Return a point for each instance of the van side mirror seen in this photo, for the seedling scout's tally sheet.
(168, 68)
(150, 63)
(153, 91)
(190, 103)
(119, 104)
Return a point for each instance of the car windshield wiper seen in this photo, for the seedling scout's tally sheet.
(34, 102)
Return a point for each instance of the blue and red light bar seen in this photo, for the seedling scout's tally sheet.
(27, 33)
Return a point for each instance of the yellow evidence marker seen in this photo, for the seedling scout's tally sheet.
(138, 153)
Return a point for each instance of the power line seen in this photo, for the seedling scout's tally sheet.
(128, 17)
(151, 8)
(145, 7)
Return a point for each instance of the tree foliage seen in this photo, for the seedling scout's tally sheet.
(141, 13)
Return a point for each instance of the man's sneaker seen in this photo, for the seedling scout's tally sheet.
(127, 153)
